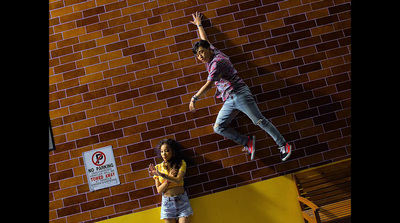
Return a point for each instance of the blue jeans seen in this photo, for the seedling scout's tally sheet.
(242, 100)
(176, 207)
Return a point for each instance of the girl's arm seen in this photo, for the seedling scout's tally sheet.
(170, 177)
(173, 179)
(161, 188)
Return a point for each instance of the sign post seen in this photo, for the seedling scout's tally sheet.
(101, 170)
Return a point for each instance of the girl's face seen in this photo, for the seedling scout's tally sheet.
(166, 152)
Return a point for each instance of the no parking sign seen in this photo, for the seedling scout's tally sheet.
(101, 170)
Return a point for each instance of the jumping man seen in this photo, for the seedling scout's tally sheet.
(235, 94)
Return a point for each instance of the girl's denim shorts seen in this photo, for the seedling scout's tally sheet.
(176, 207)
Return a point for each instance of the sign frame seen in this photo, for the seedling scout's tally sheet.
(52, 145)
(101, 169)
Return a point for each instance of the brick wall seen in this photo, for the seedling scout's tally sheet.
(122, 73)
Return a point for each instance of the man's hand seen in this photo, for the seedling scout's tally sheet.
(197, 21)
(196, 18)
(191, 105)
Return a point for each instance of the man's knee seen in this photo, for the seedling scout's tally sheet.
(262, 121)
(217, 128)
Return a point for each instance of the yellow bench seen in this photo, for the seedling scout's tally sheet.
(325, 192)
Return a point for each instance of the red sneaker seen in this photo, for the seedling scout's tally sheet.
(251, 146)
(286, 150)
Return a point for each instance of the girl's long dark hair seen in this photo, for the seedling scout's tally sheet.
(177, 155)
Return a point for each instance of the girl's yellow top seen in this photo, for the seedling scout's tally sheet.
(160, 168)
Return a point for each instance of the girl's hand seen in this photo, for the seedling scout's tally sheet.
(196, 18)
(153, 171)
(173, 173)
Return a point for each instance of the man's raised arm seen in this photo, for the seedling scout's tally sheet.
(197, 21)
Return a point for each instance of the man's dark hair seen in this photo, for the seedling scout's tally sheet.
(201, 43)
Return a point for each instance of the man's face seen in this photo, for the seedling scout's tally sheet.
(203, 54)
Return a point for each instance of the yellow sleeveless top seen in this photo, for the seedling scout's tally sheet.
(160, 168)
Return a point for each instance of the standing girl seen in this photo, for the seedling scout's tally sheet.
(168, 177)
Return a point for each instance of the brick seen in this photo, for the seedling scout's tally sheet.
(114, 72)
(93, 52)
(327, 45)
(94, 94)
(215, 184)
(61, 51)
(61, 175)
(116, 46)
(304, 25)
(291, 63)
(101, 128)
(156, 27)
(263, 172)
(106, 211)
(93, 11)
(68, 58)
(95, 27)
(185, 37)
(125, 122)
(316, 148)
(171, 93)
(306, 114)
(249, 30)
(74, 117)
(294, 19)
(87, 141)
(126, 206)
(267, 9)
(150, 200)
(127, 95)
(133, 50)
(299, 35)
(73, 74)
(292, 90)
(154, 106)
(117, 88)
(68, 211)
(287, 46)
(74, 32)
(96, 68)
(113, 30)
(310, 67)
(180, 127)
(87, 21)
(339, 8)
(152, 134)
(92, 205)
(90, 36)
(254, 45)
(282, 30)
(141, 193)
(120, 62)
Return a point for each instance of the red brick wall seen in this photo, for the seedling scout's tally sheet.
(122, 74)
